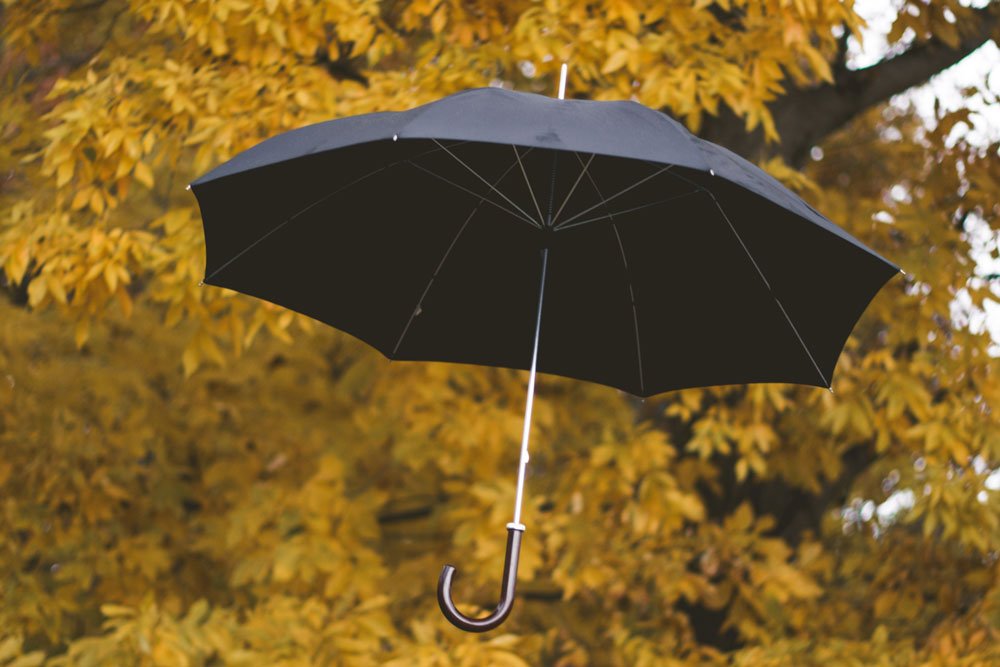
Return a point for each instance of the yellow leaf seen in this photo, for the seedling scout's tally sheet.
(37, 289)
(285, 561)
(440, 18)
(96, 202)
(64, 173)
(112, 140)
(190, 359)
(32, 659)
(56, 289)
(303, 99)
(9, 648)
(116, 610)
(615, 62)
(81, 332)
(124, 302)
(81, 199)
(111, 276)
(819, 65)
(143, 174)
(689, 505)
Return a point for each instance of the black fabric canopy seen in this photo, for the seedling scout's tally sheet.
(672, 262)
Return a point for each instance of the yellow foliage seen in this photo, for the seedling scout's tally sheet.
(191, 477)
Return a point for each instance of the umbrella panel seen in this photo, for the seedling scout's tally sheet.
(660, 277)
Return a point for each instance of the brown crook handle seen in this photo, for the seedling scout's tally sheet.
(499, 615)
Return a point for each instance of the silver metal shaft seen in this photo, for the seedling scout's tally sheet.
(531, 399)
(523, 464)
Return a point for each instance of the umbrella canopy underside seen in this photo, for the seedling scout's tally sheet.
(661, 274)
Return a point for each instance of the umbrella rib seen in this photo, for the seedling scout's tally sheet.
(614, 196)
(527, 182)
(315, 203)
(416, 309)
(565, 201)
(476, 174)
(635, 308)
(296, 215)
(760, 273)
(767, 284)
(628, 210)
(628, 277)
(476, 194)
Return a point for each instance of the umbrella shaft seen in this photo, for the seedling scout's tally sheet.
(531, 396)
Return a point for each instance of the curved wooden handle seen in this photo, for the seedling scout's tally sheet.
(507, 586)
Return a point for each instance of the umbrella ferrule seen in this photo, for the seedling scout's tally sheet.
(516, 526)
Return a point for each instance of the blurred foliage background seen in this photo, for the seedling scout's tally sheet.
(191, 477)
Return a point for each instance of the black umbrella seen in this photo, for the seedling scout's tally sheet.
(433, 234)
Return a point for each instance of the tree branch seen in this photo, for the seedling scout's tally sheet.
(340, 68)
(804, 117)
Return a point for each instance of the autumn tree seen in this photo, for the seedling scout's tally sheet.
(191, 477)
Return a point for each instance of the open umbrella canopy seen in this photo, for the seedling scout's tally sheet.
(673, 262)
(639, 256)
